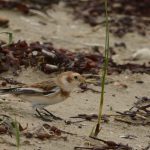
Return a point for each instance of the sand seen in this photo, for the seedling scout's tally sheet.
(72, 34)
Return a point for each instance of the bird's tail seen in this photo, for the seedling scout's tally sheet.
(7, 91)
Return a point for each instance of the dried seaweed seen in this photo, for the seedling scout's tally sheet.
(109, 145)
(10, 81)
(139, 114)
(49, 59)
(90, 11)
(7, 125)
(20, 6)
(130, 21)
(46, 132)
(26, 6)
(91, 117)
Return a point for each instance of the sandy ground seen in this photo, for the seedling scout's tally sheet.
(63, 31)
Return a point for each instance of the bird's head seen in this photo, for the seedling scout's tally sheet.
(69, 80)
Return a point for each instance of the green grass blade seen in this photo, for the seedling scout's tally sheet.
(17, 134)
(10, 37)
(96, 129)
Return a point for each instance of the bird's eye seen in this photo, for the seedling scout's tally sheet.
(76, 77)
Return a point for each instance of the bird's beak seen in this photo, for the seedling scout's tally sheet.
(82, 80)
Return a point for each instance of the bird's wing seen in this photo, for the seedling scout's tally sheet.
(45, 85)
(42, 88)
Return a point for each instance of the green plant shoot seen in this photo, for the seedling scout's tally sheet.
(96, 130)
(10, 37)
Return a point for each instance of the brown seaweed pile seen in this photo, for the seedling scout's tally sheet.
(125, 16)
(49, 59)
(133, 15)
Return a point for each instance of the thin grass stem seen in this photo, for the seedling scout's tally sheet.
(96, 130)
(10, 37)
(17, 134)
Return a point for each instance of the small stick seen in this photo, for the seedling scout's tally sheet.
(66, 132)
(144, 107)
(81, 148)
(109, 143)
(112, 144)
(122, 120)
(128, 122)
(122, 113)
(140, 116)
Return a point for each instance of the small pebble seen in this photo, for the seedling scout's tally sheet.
(3, 83)
(140, 82)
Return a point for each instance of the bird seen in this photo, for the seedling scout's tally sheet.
(48, 92)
